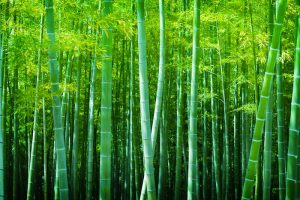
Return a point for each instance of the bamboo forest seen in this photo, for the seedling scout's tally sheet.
(149, 99)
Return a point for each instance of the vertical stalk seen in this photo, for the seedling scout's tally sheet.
(144, 103)
(2, 176)
(45, 147)
(178, 180)
(192, 135)
(226, 164)
(160, 85)
(204, 137)
(90, 139)
(56, 104)
(35, 117)
(292, 168)
(280, 132)
(161, 74)
(268, 150)
(131, 108)
(215, 145)
(16, 136)
(106, 105)
(236, 140)
(74, 175)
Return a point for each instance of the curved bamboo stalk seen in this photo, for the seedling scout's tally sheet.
(264, 99)
(160, 83)
(144, 103)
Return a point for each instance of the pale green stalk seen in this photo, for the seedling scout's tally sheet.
(192, 135)
(160, 85)
(144, 103)
(56, 104)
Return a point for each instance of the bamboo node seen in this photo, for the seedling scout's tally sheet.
(272, 49)
(293, 130)
(254, 161)
(290, 179)
(295, 104)
(259, 119)
(255, 140)
(292, 155)
(269, 73)
(265, 97)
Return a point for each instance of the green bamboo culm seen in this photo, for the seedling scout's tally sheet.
(161, 74)
(160, 83)
(106, 107)
(264, 100)
(1, 121)
(35, 118)
(90, 143)
(65, 98)
(192, 135)
(293, 153)
(280, 131)
(179, 106)
(204, 134)
(56, 104)
(267, 151)
(45, 160)
(214, 129)
(144, 103)
(74, 176)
